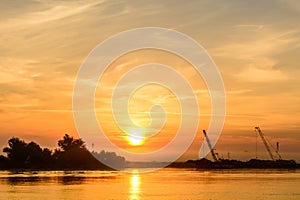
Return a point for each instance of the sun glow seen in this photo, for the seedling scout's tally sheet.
(135, 140)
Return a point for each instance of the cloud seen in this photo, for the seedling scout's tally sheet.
(255, 54)
(255, 27)
(15, 70)
(262, 75)
(246, 46)
(52, 13)
(292, 4)
(243, 91)
(51, 110)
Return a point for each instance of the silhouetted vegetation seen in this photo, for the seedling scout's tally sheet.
(110, 158)
(236, 164)
(70, 154)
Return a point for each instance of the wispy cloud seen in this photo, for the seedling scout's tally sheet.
(256, 27)
(253, 74)
(256, 56)
(52, 13)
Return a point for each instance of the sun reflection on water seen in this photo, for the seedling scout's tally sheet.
(135, 186)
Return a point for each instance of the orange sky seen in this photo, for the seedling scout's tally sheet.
(255, 46)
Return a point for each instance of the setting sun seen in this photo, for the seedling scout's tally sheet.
(134, 140)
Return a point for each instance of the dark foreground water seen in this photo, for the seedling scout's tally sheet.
(162, 184)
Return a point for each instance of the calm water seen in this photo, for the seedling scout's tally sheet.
(162, 184)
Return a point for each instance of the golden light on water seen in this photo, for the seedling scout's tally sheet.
(135, 186)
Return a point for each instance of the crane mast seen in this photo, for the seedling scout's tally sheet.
(265, 142)
(210, 147)
(277, 151)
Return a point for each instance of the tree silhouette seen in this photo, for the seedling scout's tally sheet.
(16, 152)
(68, 143)
(37, 157)
(71, 154)
(3, 162)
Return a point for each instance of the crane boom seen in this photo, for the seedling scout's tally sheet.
(210, 147)
(265, 142)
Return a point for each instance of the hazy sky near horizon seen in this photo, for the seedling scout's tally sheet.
(255, 44)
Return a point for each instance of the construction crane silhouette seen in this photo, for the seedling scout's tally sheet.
(267, 145)
(214, 155)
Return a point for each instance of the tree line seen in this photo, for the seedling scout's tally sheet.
(70, 154)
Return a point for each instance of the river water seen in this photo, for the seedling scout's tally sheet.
(162, 184)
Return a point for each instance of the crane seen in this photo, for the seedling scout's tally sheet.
(265, 143)
(277, 151)
(214, 155)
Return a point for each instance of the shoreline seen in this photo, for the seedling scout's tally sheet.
(204, 164)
